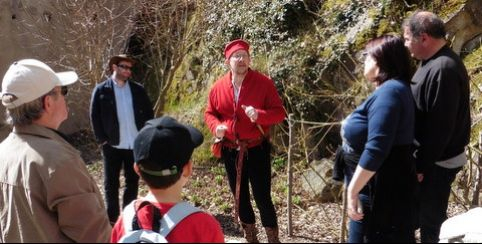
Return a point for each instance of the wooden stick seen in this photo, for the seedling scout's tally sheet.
(290, 174)
(343, 229)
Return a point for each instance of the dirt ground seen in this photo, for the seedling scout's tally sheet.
(311, 222)
(208, 189)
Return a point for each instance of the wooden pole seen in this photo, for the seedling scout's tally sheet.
(290, 173)
(343, 217)
(478, 183)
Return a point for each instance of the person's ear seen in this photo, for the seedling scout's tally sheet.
(187, 169)
(47, 103)
(424, 37)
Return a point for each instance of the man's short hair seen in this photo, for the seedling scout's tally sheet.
(425, 22)
(26, 113)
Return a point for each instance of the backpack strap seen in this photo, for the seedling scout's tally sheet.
(131, 221)
(167, 222)
(175, 215)
(128, 215)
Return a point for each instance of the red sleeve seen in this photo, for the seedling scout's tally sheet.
(273, 112)
(117, 231)
(211, 115)
(220, 106)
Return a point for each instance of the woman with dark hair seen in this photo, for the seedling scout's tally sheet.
(377, 137)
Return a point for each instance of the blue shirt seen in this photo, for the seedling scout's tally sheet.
(385, 119)
(125, 115)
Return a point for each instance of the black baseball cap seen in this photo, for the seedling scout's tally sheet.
(165, 145)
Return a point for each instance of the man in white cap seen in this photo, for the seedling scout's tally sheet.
(47, 194)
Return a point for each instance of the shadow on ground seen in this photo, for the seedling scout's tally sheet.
(229, 227)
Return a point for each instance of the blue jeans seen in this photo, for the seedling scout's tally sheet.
(434, 198)
(356, 231)
(387, 201)
(114, 160)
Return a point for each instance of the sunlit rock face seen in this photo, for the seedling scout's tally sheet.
(465, 27)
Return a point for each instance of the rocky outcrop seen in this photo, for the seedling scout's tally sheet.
(465, 25)
(318, 183)
(463, 228)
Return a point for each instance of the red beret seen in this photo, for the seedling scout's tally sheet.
(234, 46)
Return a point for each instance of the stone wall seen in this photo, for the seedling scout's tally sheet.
(23, 22)
(13, 44)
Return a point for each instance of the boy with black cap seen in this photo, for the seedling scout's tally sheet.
(162, 152)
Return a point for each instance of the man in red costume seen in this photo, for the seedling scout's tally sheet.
(242, 106)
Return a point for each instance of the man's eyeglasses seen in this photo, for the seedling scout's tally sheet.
(125, 67)
(53, 92)
(238, 57)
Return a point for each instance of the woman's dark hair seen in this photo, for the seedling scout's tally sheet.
(391, 56)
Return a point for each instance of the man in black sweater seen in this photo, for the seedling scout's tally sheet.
(441, 91)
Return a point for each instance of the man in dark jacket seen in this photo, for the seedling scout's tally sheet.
(441, 91)
(119, 108)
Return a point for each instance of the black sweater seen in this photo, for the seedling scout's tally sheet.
(442, 121)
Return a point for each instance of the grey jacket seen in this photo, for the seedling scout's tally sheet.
(46, 192)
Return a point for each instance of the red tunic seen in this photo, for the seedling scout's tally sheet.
(196, 228)
(258, 91)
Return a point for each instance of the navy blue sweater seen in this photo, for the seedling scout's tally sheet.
(385, 119)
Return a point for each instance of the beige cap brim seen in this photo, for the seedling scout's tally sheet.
(67, 78)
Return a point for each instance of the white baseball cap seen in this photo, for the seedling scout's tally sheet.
(29, 79)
